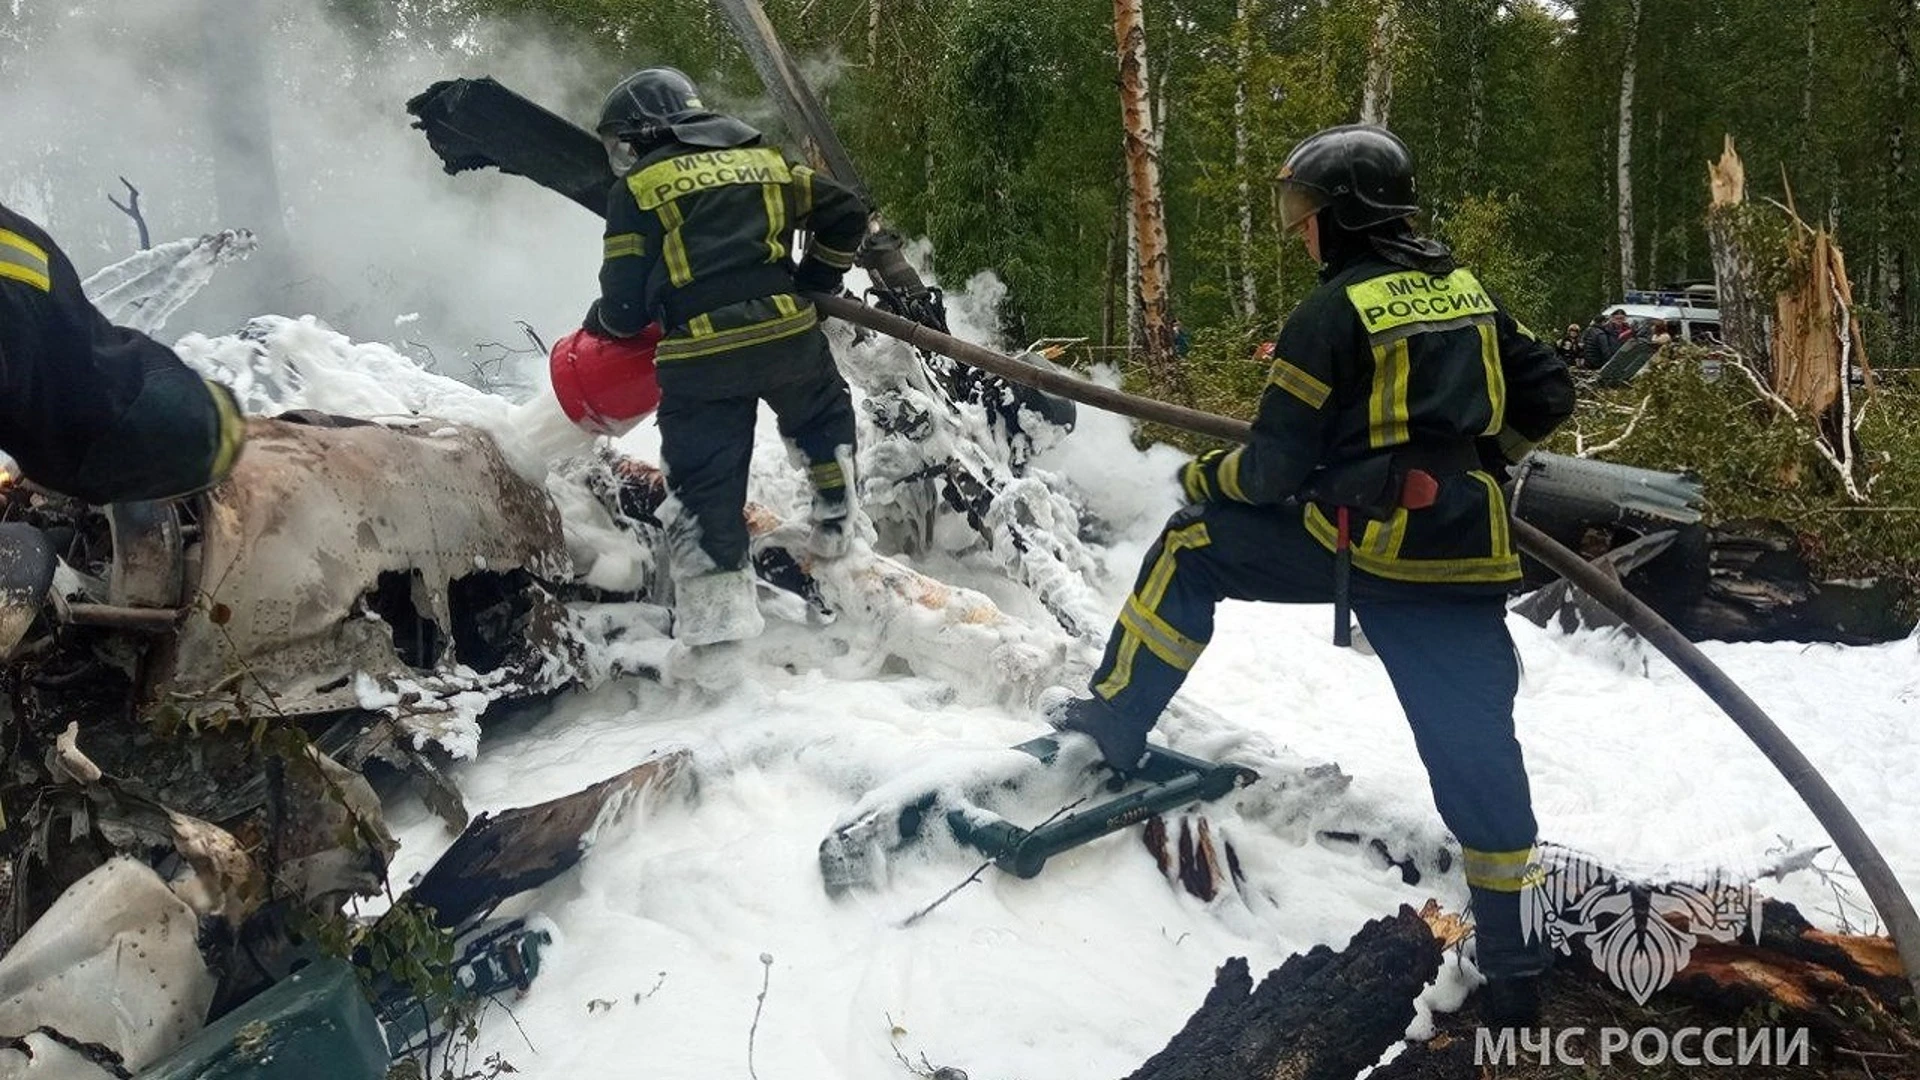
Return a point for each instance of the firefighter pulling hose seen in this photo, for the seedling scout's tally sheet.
(1883, 889)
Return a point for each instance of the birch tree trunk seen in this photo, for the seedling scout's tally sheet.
(1149, 211)
(1893, 245)
(1117, 266)
(1376, 99)
(1624, 151)
(1248, 303)
(1806, 86)
(1745, 308)
(1654, 238)
(1136, 316)
(1479, 19)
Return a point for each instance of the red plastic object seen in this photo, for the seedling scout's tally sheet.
(1419, 490)
(606, 385)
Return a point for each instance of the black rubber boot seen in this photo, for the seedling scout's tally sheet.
(1122, 742)
(1513, 957)
(1510, 1001)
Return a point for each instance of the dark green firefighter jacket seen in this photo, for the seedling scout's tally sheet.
(1382, 359)
(702, 240)
(90, 409)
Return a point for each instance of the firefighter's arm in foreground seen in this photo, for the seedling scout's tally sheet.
(1539, 389)
(630, 251)
(1288, 430)
(97, 411)
(836, 220)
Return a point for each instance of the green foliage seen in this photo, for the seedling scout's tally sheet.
(1226, 379)
(1021, 173)
(403, 945)
(1755, 462)
(992, 127)
(1485, 237)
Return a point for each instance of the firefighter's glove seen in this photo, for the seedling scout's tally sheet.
(1200, 478)
(232, 434)
(814, 276)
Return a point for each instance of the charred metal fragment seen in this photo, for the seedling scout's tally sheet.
(502, 855)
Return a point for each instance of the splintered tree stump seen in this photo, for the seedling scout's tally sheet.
(1323, 1015)
(1798, 976)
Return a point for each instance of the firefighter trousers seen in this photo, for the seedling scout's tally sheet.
(707, 414)
(1447, 653)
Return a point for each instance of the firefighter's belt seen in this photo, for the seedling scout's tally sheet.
(699, 297)
(1378, 484)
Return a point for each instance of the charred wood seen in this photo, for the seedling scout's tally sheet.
(1322, 1015)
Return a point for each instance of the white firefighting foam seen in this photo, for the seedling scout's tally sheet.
(1090, 968)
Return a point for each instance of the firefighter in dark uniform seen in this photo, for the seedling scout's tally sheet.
(700, 227)
(1399, 390)
(93, 410)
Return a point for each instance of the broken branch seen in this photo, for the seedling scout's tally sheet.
(131, 208)
(766, 980)
(1615, 442)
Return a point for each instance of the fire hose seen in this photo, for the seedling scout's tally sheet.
(1883, 890)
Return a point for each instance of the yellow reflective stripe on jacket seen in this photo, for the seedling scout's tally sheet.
(1229, 473)
(1502, 871)
(1388, 416)
(1193, 481)
(1513, 445)
(775, 198)
(674, 248)
(1152, 591)
(23, 260)
(656, 186)
(1497, 526)
(832, 256)
(700, 326)
(802, 191)
(1496, 381)
(1393, 302)
(1299, 382)
(1383, 538)
(1370, 554)
(687, 348)
(623, 245)
(233, 431)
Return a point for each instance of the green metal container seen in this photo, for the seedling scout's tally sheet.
(313, 1025)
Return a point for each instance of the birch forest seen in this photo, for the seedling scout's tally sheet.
(1562, 145)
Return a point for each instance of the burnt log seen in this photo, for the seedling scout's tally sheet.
(1847, 992)
(1322, 1015)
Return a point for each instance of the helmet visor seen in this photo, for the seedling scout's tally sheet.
(1298, 203)
(620, 153)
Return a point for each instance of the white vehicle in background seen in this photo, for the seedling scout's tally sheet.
(1691, 310)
